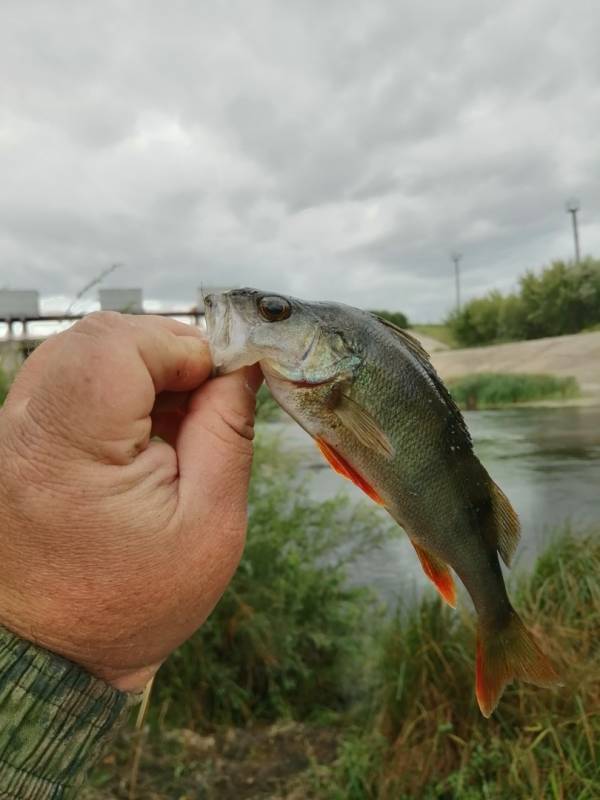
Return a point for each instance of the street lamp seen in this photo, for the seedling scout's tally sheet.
(572, 209)
(456, 257)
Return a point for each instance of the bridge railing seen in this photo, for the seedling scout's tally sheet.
(25, 321)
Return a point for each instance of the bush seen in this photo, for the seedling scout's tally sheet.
(478, 321)
(289, 632)
(493, 390)
(563, 298)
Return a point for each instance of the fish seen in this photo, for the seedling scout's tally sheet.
(368, 394)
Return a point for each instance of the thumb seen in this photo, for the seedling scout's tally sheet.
(214, 447)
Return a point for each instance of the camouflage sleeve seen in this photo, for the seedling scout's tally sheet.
(55, 720)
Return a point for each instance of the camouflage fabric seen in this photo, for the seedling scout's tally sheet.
(55, 720)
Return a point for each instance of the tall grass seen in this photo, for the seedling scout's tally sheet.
(286, 637)
(538, 744)
(290, 641)
(494, 389)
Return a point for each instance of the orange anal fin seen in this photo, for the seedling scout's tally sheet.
(439, 573)
(341, 466)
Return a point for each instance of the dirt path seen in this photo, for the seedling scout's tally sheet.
(577, 355)
(279, 762)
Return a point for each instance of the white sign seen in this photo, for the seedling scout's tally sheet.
(128, 301)
(17, 304)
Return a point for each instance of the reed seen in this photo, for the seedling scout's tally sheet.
(539, 743)
(495, 389)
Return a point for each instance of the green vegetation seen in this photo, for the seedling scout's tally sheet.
(4, 384)
(428, 740)
(267, 409)
(298, 686)
(494, 390)
(287, 633)
(395, 317)
(563, 298)
(443, 333)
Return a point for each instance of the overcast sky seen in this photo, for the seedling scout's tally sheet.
(332, 150)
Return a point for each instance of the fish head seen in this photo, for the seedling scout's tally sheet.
(292, 339)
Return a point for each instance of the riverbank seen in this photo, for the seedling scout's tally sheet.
(576, 356)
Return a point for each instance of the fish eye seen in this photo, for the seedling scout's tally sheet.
(274, 309)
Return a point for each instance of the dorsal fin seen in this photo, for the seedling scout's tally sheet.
(507, 527)
(422, 356)
(409, 340)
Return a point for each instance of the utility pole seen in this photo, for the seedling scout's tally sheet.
(456, 257)
(572, 209)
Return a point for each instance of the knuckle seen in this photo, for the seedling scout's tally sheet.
(238, 422)
(99, 323)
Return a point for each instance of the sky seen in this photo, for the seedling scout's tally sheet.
(330, 150)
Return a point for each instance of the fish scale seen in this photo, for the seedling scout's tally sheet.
(367, 393)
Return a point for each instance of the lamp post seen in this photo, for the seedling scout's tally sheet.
(456, 257)
(572, 209)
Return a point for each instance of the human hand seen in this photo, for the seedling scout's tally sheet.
(115, 547)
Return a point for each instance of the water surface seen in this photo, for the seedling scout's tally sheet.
(547, 460)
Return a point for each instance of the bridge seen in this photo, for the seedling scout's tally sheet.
(22, 326)
(194, 315)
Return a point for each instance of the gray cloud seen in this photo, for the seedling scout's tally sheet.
(331, 150)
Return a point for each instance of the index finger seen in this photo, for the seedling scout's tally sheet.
(95, 386)
(176, 355)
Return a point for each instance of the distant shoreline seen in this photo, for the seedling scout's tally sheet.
(575, 355)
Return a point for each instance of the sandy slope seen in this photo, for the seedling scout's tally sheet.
(577, 355)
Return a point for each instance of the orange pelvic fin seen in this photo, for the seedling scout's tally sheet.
(439, 573)
(505, 653)
(340, 465)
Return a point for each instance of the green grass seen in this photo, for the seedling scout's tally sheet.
(539, 743)
(443, 333)
(495, 390)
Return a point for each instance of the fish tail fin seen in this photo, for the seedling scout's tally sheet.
(504, 652)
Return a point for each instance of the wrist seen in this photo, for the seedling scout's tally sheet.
(127, 680)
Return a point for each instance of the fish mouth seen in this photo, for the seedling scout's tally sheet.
(228, 332)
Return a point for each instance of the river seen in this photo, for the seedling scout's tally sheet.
(547, 460)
